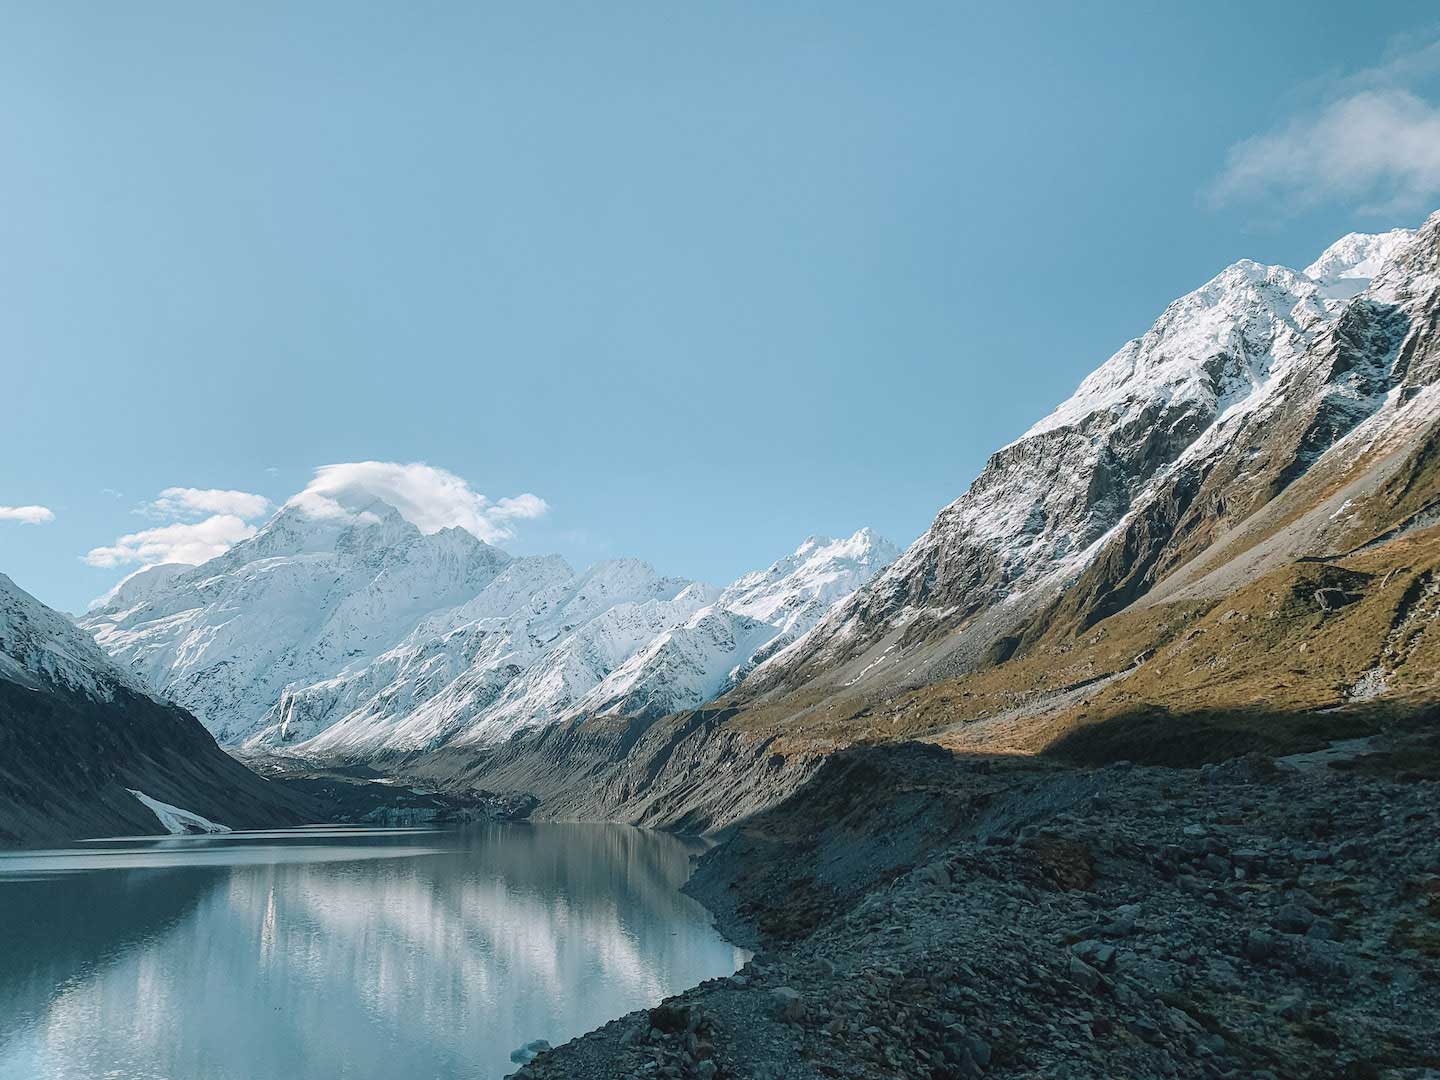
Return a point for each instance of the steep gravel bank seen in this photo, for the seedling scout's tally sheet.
(921, 914)
(689, 772)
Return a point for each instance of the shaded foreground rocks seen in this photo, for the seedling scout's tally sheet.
(921, 915)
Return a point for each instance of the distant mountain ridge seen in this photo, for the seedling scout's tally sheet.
(349, 635)
(298, 601)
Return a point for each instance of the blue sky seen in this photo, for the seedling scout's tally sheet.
(702, 278)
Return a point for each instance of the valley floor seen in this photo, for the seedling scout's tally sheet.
(923, 914)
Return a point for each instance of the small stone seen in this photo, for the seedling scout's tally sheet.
(1120, 926)
(1218, 866)
(1210, 1043)
(1293, 919)
(1259, 945)
(789, 1004)
(979, 1050)
(1083, 975)
(668, 1018)
(1095, 953)
(1321, 930)
(936, 875)
(1294, 1007)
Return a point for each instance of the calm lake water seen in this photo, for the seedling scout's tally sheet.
(338, 953)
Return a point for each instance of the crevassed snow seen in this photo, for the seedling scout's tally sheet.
(177, 820)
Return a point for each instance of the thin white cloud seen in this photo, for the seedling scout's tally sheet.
(207, 522)
(203, 523)
(1377, 148)
(27, 515)
(182, 542)
(429, 498)
(183, 502)
(1411, 58)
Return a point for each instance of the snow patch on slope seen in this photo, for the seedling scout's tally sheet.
(178, 821)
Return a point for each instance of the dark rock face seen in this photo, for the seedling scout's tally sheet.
(77, 735)
(67, 762)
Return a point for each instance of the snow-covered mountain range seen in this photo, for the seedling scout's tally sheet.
(345, 635)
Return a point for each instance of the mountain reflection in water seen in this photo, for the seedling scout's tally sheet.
(339, 953)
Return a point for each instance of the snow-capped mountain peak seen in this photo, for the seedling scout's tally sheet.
(751, 621)
(819, 572)
(1208, 346)
(1347, 266)
(41, 649)
(344, 633)
(305, 598)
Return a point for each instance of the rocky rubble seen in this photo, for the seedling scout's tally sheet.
(919, 914)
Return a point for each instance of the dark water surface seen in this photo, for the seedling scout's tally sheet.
(338, 953)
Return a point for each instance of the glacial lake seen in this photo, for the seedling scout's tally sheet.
(338, 953)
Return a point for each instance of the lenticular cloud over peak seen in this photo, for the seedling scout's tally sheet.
(429, 498)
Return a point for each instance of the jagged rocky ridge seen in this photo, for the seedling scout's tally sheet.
(346, 636)
(85, 750)
(1240, 389)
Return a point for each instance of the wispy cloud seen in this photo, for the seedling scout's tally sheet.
(182, 542)
(27, 515)
(203, 523)
(428, 497)
(183, 502)
(1373, 141)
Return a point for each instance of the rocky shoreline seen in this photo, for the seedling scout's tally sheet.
(924, 914)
